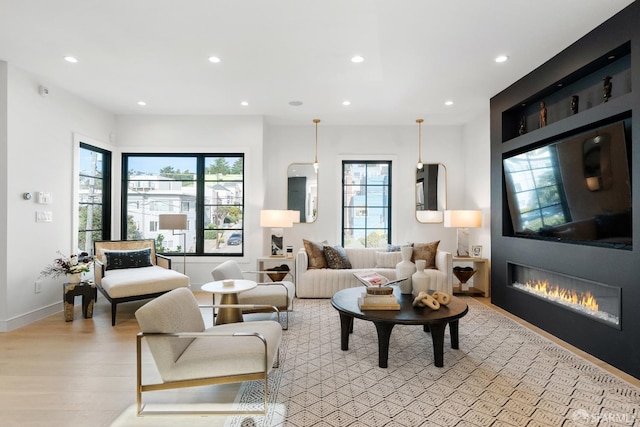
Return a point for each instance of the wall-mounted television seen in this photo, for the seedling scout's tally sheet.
(575, 189)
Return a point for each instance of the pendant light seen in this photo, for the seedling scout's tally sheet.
(315, 162)
(420, 164)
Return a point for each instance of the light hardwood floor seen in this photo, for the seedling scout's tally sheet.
(82, 373)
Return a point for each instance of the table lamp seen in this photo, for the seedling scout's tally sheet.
(175, 222)
(463, 220)
(276, 220)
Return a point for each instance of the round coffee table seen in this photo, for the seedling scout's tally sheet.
(229, 297)
(435, 321)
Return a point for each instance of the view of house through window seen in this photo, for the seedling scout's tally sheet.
(208, 188)
(366, 203)
(94, 196)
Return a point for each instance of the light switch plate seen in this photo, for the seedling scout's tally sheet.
(45, 198)
(44, 216)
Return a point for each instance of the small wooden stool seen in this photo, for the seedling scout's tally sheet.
(89, 294)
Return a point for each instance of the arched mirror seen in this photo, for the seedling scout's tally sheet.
(302, 190)
(431, 193)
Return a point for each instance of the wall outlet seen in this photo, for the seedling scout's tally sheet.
(37, 286)
(44, 216)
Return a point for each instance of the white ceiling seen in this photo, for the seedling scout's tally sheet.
(418, 54)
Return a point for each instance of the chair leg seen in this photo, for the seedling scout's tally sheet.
(113, 314)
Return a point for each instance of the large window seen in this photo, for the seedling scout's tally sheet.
(94, 178)
(208, 188)
(366, 203)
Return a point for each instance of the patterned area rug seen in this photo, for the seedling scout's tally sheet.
(503, 375)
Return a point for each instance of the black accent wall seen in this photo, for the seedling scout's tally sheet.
(579, 68)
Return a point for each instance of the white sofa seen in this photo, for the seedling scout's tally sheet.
(324, 282)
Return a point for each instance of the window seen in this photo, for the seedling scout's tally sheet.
(366, 203)
(94, 178)
(209, 188)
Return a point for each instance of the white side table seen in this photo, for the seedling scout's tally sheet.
(269, 262)
(229, 296)
(480, 281)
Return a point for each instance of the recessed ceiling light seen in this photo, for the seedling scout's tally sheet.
(448, 103)
(244, 103)
(501, 58)
(214, 59)
(142, 103)
(357, 59)
(295, 103)
(71, 59)
(346, 102)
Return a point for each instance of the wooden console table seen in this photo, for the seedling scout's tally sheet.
(481, 281)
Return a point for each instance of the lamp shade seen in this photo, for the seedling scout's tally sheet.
(276, 218)
(172, 221)
(463, 219)
(295, 216)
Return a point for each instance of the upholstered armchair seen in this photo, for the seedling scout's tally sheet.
(130, 270)
(188, 355)
(279, 294)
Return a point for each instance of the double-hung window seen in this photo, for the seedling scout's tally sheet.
(94, 196)
(366, 203)
(208, 188)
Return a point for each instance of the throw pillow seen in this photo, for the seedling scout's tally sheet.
(315, 253)
(388, 259)
(427, 252)
(336, 257)
(128, 259)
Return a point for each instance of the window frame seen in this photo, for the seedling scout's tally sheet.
(389, 188)
(200, 205)
(105, 202)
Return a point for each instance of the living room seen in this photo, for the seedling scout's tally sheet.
(40, 136)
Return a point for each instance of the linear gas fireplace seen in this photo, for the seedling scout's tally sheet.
(595, 300)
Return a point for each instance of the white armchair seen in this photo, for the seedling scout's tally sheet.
(188, 355)
(277, 294)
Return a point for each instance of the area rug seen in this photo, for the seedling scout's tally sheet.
(503, 375)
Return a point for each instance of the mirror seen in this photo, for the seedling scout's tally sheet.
(431, 193)
(597, 162)
(302, 190)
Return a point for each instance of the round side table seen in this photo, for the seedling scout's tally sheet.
(229, 296)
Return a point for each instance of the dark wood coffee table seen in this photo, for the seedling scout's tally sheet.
(346, 302)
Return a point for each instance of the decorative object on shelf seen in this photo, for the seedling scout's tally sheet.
(277, 220)
(175, 222)
(279, 272)
(522, 129)
(379, 290)
(463, 274)
(476, 251)
(542, 119)
(463, 220)
(575, 100)
(316, 165)
(73, 266)
(420, 279)
(425, 300)
(420, 164)
(406, 268)
(606, 89)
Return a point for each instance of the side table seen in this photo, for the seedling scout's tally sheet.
(229, 296)
(89, 294)
(268, 262)
(481, 279)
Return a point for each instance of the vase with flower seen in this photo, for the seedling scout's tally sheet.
(72, 266)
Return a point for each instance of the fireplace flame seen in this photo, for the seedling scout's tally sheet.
(586, 300)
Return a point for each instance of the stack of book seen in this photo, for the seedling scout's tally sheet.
(378, 302)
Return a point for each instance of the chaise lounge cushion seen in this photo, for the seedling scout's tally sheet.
(128, 282)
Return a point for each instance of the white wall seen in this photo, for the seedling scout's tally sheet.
(477, 182)
(39, 157)
(3, 190)
(286, 145)
(201, 134)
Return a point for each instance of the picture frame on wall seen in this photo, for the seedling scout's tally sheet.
(476, 251)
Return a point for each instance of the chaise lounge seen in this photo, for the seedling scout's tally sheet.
(130, 270)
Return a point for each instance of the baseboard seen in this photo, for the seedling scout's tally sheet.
(30, 317)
